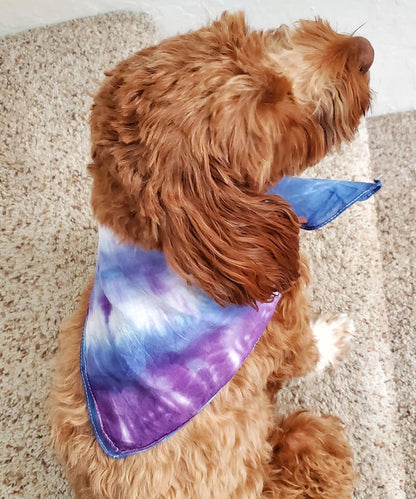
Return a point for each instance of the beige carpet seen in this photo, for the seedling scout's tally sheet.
(362, 263)
(393, 150)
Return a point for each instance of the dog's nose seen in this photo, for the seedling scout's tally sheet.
(365, 53)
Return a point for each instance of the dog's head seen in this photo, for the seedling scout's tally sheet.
(189, 134)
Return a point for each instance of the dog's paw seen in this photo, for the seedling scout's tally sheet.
(333, 334)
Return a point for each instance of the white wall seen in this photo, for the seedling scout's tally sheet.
(390, 26)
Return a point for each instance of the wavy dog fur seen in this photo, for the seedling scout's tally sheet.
(187, 137)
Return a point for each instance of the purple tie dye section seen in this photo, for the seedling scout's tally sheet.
(155, 351)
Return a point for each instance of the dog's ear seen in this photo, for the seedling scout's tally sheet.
(239, 247)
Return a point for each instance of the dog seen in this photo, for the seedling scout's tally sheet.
(187, 137)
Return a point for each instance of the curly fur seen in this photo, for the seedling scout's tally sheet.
(187, 137)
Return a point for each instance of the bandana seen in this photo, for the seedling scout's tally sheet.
(155, 351)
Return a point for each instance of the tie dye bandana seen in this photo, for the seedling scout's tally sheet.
(155, 350)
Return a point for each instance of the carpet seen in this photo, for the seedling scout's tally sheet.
(363, 263)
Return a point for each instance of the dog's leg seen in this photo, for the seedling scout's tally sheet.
(288, 343)
(298, 345)
(311, 456)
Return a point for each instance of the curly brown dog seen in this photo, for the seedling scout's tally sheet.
(187, 136)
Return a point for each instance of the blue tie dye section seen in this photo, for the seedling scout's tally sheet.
(320, 201)
(155, 351)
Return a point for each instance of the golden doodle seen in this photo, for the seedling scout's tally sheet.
(188, 136)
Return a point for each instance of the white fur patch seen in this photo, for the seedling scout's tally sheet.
(333, 333)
